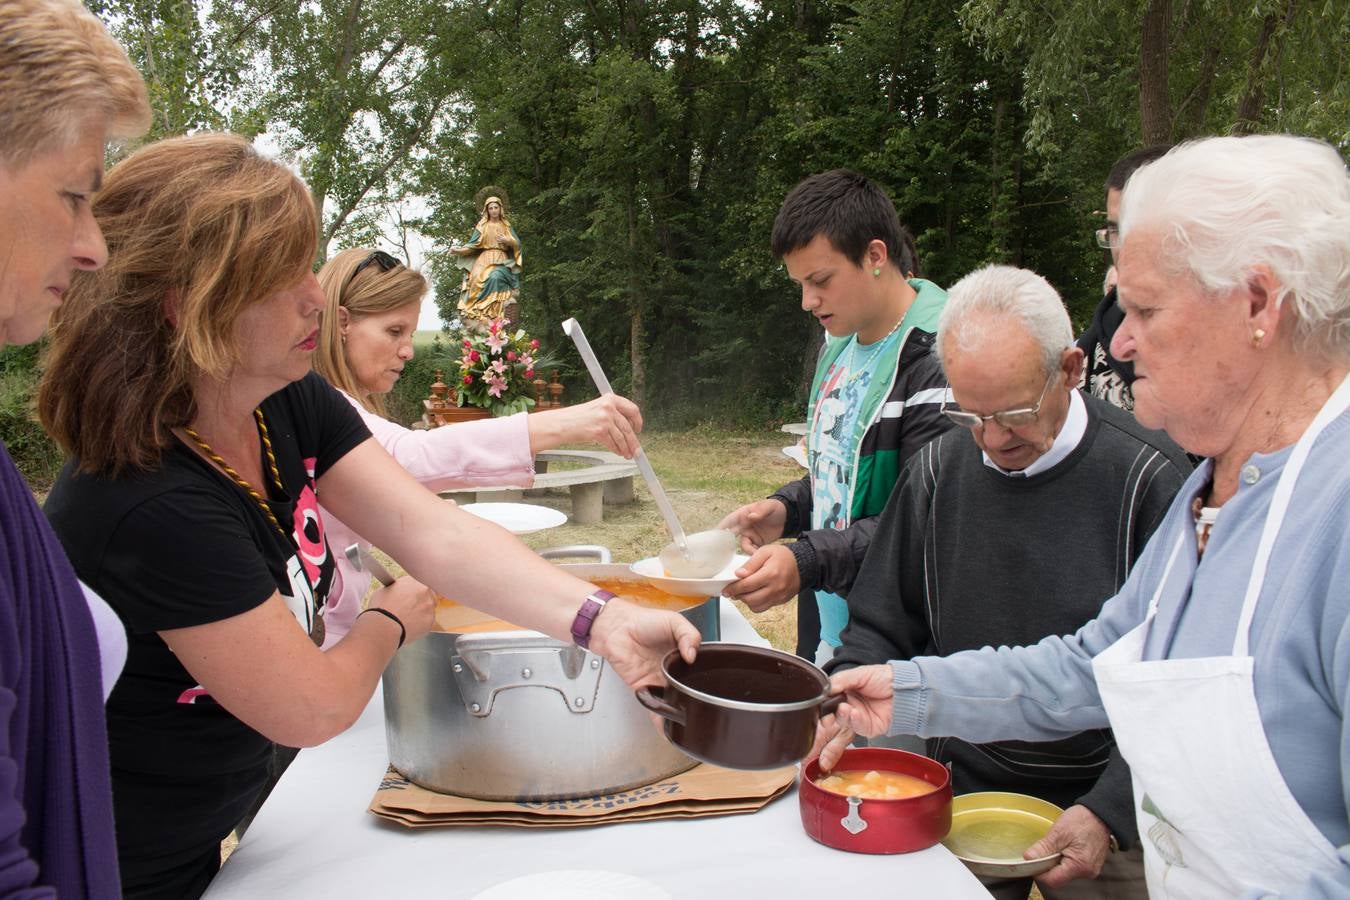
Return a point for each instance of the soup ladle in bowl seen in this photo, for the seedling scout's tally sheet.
(699, 555)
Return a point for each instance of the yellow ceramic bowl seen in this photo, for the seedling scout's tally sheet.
(992, 829)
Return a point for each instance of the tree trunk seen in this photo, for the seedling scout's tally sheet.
(1191, 112)
(1248, 118)
(1155, 107)
(998, 207)
(893, 85)
(810, 354)
(320, 197)
(639, 392)
(639, 395)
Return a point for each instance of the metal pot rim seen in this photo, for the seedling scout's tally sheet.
(741, 705)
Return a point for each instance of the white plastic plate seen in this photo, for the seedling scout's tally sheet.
(517, 518)
(651, 570)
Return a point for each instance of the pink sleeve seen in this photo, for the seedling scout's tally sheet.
(349, 585)
(486, 452)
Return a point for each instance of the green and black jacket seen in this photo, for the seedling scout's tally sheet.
(902, 414)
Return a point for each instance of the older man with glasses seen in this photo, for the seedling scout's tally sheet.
(1015, 526)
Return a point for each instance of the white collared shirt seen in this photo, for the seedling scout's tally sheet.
(1075, 426)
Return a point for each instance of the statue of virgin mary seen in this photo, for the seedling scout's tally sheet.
(492, 257)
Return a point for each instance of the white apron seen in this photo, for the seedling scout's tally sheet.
(1215, 815)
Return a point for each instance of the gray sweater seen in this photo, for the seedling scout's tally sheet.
(1300, 642)
(964, 556)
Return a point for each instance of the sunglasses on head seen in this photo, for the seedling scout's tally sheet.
(384, 260)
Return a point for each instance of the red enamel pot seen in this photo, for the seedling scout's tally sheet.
(864, 825)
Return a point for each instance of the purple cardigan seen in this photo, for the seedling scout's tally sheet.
(56, 820)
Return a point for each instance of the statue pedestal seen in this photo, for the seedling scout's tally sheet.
(451, 414)
(440, 411)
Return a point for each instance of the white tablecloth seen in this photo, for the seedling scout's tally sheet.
(314, 838)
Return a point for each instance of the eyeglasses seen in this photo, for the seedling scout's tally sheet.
(1108, 237)
(384, 260)
(1008, 418)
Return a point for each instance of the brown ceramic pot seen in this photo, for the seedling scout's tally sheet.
(741, 707)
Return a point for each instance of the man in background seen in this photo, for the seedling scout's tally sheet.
(1104, 376)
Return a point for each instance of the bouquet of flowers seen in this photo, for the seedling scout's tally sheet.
(496, 369)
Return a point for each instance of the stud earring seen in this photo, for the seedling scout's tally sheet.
(1258, 336)
(876, 273)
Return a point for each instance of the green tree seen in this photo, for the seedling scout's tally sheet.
(191, 65)
(1176, 70)
(356, 90)
(646, 145)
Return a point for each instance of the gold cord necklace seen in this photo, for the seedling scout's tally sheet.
(239, 479)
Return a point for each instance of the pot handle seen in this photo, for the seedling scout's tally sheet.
(597, 552)
(831, 703)
(653, 697)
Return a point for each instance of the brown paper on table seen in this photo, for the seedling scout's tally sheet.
(704, 790)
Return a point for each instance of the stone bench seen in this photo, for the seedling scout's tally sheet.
(607, 479)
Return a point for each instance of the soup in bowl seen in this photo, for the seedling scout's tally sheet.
(877, 800)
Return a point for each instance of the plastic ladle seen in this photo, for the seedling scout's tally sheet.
(699, 555)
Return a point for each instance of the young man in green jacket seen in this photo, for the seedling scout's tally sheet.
(875, 399)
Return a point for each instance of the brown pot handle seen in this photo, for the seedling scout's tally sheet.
(653, 697)
(831, 703)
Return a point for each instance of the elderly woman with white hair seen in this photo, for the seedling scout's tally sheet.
(1223, 665)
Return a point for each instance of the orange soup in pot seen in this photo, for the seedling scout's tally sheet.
(875, 785)
(456, 618)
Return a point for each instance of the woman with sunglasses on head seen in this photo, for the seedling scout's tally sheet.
(179, 382)
(66, 90)
(365, 338)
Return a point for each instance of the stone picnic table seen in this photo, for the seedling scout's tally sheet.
(607, 478)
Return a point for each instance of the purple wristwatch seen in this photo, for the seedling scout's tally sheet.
(581, 625)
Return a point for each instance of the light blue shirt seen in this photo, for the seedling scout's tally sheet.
(836, 432)
(1300, 639)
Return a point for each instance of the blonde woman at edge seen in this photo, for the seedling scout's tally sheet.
(66, 90)
(365, 339)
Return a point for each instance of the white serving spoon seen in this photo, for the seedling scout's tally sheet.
(699, 555)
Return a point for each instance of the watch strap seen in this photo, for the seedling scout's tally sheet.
(590, 608)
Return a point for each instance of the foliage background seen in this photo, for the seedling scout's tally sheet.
(646, 144)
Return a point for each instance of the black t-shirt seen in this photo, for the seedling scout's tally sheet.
(184, 546)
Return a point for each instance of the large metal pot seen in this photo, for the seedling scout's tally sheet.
(517, 715)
